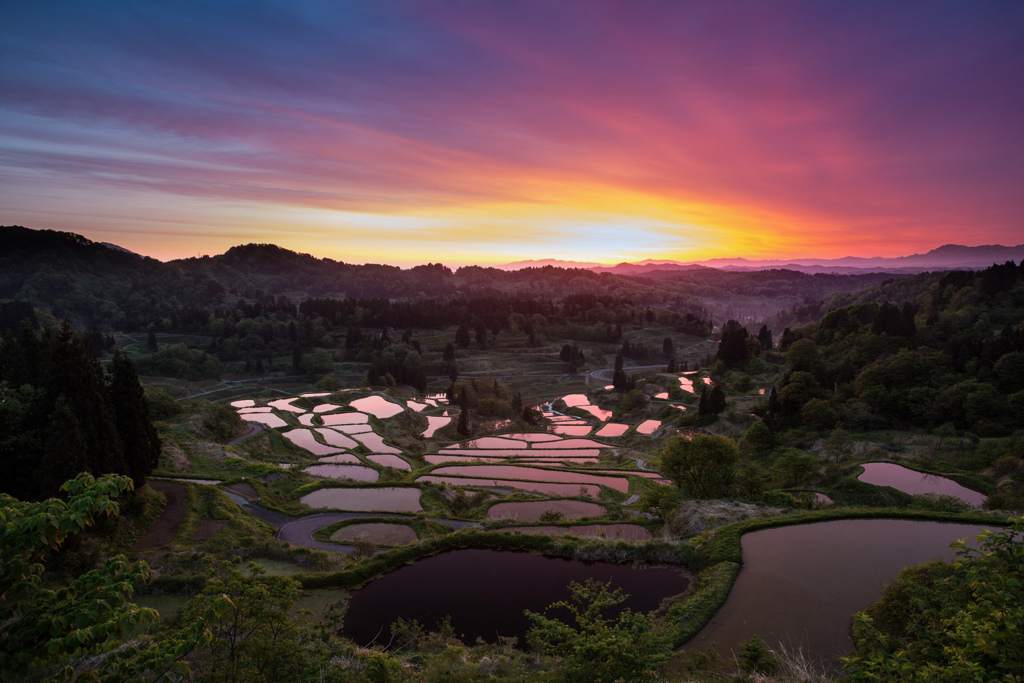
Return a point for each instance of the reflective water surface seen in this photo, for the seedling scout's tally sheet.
(801, 585)
(365, 500)
(914, 483)
(531, 511)
(486, 591)
(625, 532)
(353, 472)
(377, 406)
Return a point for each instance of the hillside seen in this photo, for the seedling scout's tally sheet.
(90, 284)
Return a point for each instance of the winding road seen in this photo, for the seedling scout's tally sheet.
(255, 429)
(300, 530)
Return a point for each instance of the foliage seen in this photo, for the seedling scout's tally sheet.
(39, 623)
(161, 404)
(178, 360)
(255, 637)
(60, 415)
(221, 422)
(712, 402)
(958, 622)
(632, 400)
(732, 349)
(759, 440)
(702, 466)
(755, 657)
(595, 647)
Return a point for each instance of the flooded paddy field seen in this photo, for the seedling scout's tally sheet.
(397, 499)
(485, 592)
(531, 511)
(801, 585)
(915, 483)
(617, 532)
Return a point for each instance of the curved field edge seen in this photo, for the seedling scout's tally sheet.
(718, 561)
(971, 480)
(724, 558)
(567, 547)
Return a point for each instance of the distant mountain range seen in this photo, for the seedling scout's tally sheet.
(946, 257)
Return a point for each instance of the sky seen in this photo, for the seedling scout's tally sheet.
(485, 132)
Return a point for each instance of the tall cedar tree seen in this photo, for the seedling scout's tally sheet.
(732, 350)
(462, 336)
(140, 444)
(54, 378)
(619, 379)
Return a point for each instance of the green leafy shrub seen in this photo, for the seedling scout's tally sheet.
(949, 622)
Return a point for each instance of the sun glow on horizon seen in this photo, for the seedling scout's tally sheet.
(484, 135)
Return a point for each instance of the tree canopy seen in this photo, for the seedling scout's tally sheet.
(703, 466)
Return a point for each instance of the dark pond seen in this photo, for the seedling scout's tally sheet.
(486, 591)
(801, 585)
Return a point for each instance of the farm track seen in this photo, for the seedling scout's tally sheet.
(165, 528)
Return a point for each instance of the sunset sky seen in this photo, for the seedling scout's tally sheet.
(488, 132)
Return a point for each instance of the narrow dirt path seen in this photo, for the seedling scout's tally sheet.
(165, 528)
(256, 429)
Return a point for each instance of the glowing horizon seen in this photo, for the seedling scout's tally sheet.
(468, 133)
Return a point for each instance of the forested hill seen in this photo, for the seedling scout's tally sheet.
(70, 277)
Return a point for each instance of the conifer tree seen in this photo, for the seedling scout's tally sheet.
(139, 441)
(63, 448)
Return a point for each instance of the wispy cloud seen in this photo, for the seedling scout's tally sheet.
(592, 131)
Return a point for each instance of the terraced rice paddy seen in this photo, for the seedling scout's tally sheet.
(365, 499)
(535, 436)
(914, 483)
(433, 424)
(612, 430)
(531, 474)
(335, 438)
(572, 430)
(285, 405)
(353, 472)
(648, 427)
(551, 461)
(340, 459)
(491, 442)
(525, 453)
(380, 533)
(546, 488)
(623, 532)
(531, 511)
(353, 429)
(270, 420)
(303, 438)
(345, 419)
(375, 442)
(379, 407)
(390, 460)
